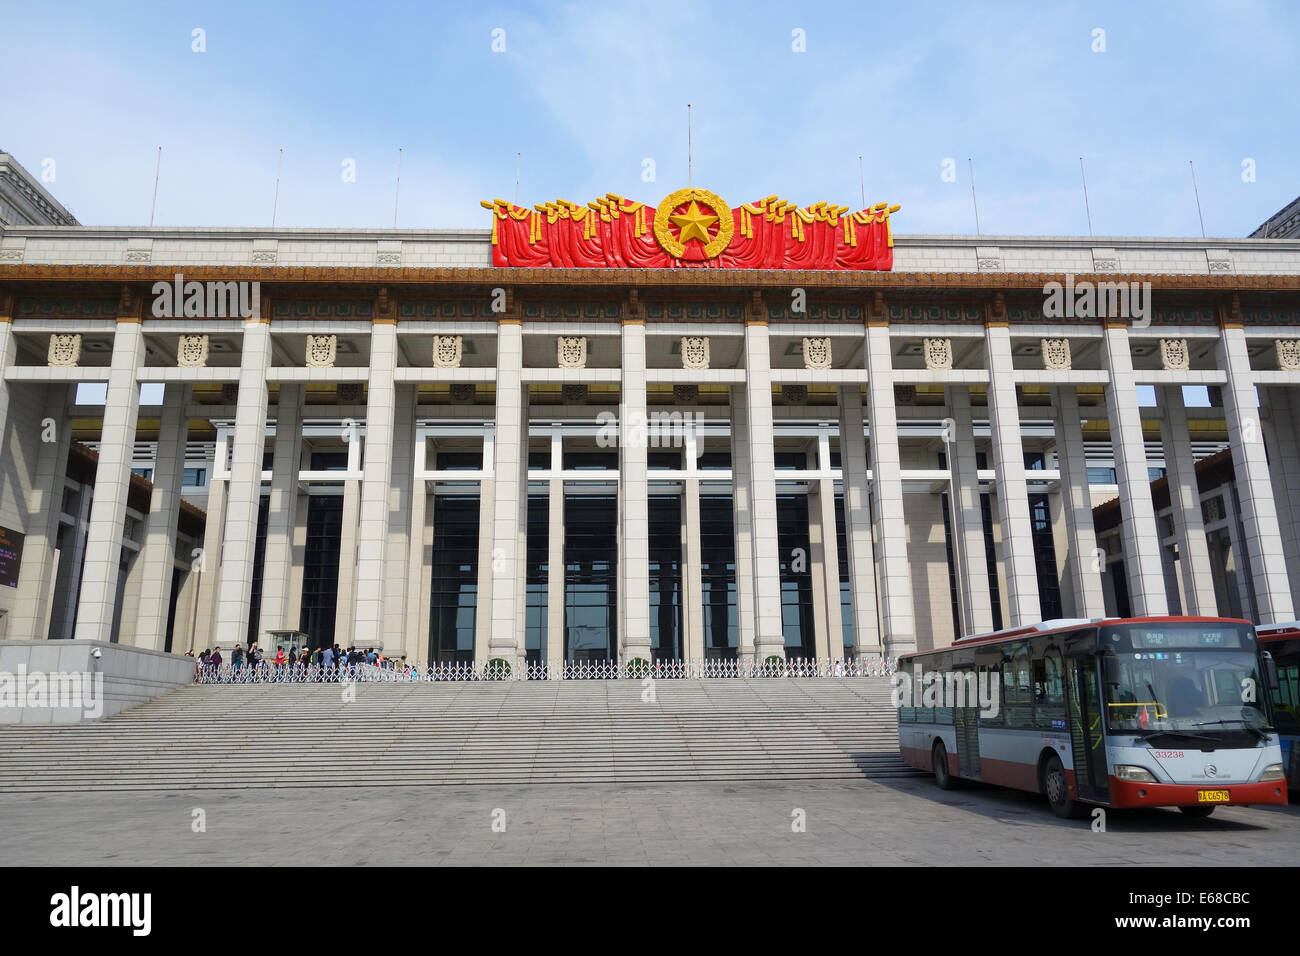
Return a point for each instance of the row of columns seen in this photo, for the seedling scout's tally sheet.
(382, 560)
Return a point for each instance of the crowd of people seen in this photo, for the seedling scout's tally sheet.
(320, 663)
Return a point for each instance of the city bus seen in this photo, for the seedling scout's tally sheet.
(1111, 712)
(1282, 641)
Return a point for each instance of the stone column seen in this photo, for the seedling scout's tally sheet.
(1141, 536)
(208, 566)
(372, 533)
(692, 573)
(743, 517)
(857, 524)
(833, 638)
(966, 516)
(634, 497)
(8, 351)
(277, 564)
(1022, 601)
(102, 567)
(1282, 434)
(1185, 500)
(555, 597)
(38, 574)
(769, 638)
(1263, 541)
(158, 555)
(349, 530)
(399, 516)
(419, 555)
(1083, 568)
(507, 559)
(887, 497)
(244, 490)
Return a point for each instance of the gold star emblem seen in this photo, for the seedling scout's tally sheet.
(693, 224)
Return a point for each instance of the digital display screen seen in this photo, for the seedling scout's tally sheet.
(1187, 636)
(11, 556)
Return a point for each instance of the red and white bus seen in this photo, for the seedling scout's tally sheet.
(1136, 712)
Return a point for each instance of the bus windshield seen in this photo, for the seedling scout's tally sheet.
(1202, 680)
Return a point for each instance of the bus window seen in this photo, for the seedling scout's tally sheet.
(1049, 691)
(1016, 692)
(1286, 699)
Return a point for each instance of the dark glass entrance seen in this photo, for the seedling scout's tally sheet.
(454, 593)
(320, 569)
(666, 577)
(718, 575)
(590, 578)
(796, 575)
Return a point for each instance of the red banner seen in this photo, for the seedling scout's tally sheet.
(692, 228)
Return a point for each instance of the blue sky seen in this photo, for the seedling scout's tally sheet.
(588, 92)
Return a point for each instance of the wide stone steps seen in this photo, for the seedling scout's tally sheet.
(307, 735)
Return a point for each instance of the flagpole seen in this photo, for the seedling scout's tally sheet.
(397, 190)
(1086, 208)
(275, 206)
(974, 202)
(690, 181)
(156, 170)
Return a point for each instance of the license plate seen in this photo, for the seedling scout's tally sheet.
(1212, 796)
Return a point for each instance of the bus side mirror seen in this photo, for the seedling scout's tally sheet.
(1270, 672)
(1110, 669)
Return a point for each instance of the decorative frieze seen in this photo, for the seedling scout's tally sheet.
(447, 350)
(1174, 356)
(574, 394)
(571, 351)
(322, 350)
(462, 393)
(938, 354)
(1056, 354)
(686, 394)
(817, 353)
(904, 394)
(65, 350)
(695, 352)
(349, 393)
(192, 351)
(1288, 354)
(794, 394)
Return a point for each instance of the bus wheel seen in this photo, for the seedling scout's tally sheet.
(939, 761)
(1197, 811)
(1058, 790)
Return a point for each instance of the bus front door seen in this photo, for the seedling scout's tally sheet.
(1087, 742)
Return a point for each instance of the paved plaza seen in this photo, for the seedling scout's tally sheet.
(895, 822)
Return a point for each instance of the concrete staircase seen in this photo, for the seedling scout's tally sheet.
(392, 734)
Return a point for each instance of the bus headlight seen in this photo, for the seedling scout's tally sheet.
(1134, 774)
(1273, 771)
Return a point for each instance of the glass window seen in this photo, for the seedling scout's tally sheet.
(453, 597)
(718, 576)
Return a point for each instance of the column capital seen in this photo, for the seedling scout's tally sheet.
(514, 311)
(385, 308)
(129, 304)
(633, 309)
(995, 312)
(1230, 313)
(755, 312)
(874, 313)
